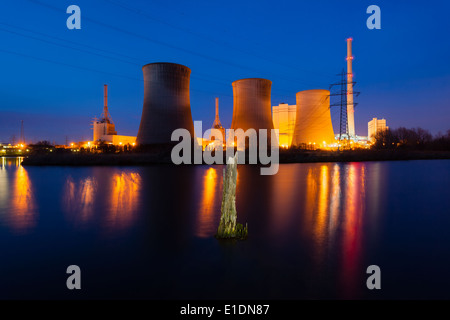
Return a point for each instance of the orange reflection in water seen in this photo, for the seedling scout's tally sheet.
(285, 193)
(322, 209)
(352, 224)
(125, 188)
(317, 206)
(79, 198)
(335, 199)
(334, 206)
(208, 211)
(23, 205)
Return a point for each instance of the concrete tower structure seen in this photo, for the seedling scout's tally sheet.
(350, 106)
(166, 103)
(251, 104)
(313, 119)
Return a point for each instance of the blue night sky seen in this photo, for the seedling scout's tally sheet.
(52, 77)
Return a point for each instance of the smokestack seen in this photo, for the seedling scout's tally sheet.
(22, 135)
(217, 108)
(350, 107)
(105, 100)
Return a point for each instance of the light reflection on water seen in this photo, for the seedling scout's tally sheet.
(353, 211)
(112, 199)
(125, 189)
(313, 228)
(209, 212)
(17, 197)
(78, 198)
(323, 197)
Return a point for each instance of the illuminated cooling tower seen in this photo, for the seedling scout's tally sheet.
(166, 103)
(313, 119)
(251, 106)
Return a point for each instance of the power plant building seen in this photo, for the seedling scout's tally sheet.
(104, 128)
(313, 119)
(376, 125)
(251, 105)
(166, 104)
(283, 117)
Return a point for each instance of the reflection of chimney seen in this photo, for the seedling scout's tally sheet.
(350, 107)
(105, 99)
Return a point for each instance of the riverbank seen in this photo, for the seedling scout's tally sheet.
(286, 156)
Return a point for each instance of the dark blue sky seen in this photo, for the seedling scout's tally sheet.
(52, 77)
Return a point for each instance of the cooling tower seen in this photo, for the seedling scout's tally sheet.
(251, 106)
(166, 103)
(313, 119)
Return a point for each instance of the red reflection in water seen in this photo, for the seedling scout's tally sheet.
(333, 212)
(353, 209)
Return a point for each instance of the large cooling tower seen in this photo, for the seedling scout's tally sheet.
(251, 106)
(166, 103)
(313, 119)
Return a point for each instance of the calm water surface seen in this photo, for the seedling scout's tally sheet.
(148, 232)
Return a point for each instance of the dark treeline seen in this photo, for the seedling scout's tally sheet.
(413, 139)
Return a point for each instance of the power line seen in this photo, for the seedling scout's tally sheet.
(162, 43)
(90, 69)
(212, 40)
(205, 78)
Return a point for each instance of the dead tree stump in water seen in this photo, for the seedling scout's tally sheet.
(228, 228)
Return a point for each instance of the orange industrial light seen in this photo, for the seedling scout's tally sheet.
(313, 118)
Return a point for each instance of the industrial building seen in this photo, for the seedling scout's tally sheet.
(374, 126)
(104, 128)
(251, 105)
(313, 119)
(166, 104)
(283, 117)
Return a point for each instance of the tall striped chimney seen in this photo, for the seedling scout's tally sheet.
(217, 110)
(105, 100)
(350, 107)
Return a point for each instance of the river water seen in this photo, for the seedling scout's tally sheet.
(148, 232)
